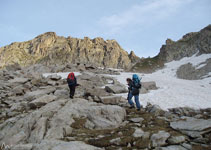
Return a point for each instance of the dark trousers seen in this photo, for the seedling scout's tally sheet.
(72, 91)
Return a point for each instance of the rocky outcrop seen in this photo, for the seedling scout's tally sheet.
(48, 48)
(190, 72)
(189, 44)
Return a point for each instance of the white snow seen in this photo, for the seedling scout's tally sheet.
(174, 92)
(62, 74)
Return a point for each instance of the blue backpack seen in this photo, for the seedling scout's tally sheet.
(136, 81)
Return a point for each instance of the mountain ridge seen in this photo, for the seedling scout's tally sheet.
(190, 44)
(48, 48)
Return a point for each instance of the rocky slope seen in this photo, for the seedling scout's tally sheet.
(49, 48)
(36, 113)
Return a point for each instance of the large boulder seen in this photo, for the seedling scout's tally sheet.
(116, 89)
(95, 92)
(61, 145)
(22, 147)
(151, 85)
(38, 93)
(191, 72)
(155, 109)
(147, 86)
(42, 101)
(172, 147)
(115, 100)
(61, 93)
(19, 80)
(160, 138)
(176, 140)
(192, 127)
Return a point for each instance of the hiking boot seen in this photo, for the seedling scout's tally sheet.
(132, 107)
(71, 96)
(138, 109)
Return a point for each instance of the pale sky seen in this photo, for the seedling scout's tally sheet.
(138, 25)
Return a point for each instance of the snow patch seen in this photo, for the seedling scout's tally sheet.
(174, 92)
(62, 74)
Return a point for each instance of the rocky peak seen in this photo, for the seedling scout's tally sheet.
(188, 45)
(133, 57)
(48, 48)
(169, 41)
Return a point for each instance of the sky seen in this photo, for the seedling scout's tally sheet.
(139, 25)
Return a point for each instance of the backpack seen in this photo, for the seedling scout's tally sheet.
(71, 79)
(136, 81)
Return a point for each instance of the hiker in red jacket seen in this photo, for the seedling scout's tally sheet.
(72, 83)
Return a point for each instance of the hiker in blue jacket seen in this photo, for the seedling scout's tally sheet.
(133, 90)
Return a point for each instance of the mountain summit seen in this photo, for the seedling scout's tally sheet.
(188, 45)
(48, 48)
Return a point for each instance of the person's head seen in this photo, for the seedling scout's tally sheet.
(128, 80)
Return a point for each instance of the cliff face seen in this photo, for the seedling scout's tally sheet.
(188, 45)
(48, 48)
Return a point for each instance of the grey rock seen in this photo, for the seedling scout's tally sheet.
(115, 141)
(192, 124)
(68, 131)
(172, 147)
(151, 85)
(19, 80)
(17, 138)
(37, 135)
(143, 90)
(159, 139)
(17, 107)
(38, 93)
(76, 145)
(187, 146)
(61, 93)
(190, 72)
(155, 109)
(19, 90)
(22, 147)
(99, 92)
(201, 140)
(42, 100)
(61, 145)
(115, 100)
(176, 140)
(109, 116)
(139, 133)
(116, 89)
(192, 134)
(136, 120)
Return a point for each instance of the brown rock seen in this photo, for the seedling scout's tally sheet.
(48, 48)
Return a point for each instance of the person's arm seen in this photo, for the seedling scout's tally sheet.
(76, 81)
(130, 86)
